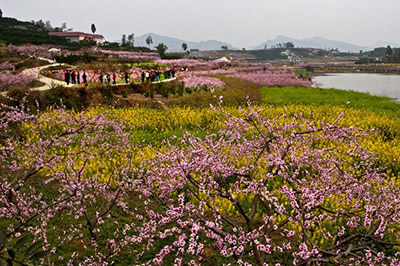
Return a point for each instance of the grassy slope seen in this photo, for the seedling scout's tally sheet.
(278, 96)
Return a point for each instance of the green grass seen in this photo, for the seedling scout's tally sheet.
(278, 96)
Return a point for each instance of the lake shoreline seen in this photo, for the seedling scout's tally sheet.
(378, 84)
(317, 74)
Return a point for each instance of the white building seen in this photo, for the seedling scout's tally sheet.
(287, 53)
(294, 59)
(79, 36)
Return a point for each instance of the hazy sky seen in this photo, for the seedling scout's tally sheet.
(243, 23)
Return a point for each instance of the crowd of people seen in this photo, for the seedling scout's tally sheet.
(155, 76)
(74, 77)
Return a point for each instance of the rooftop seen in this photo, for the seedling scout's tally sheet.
(77, 34)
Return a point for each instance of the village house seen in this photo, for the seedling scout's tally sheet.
(294, 59)
(79, 36)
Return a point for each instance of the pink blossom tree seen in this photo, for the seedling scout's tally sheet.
(258, 191)
(36, 224)
(8, 79)
(28, 50)
(261, 189)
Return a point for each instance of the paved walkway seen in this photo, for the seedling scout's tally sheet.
(155, 82)
(49, 82)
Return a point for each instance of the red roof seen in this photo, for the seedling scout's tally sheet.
(77, 34)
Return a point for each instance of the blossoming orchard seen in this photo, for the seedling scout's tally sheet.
(208, 164)
(256, 190)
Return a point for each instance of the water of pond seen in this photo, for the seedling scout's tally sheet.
(375, 84)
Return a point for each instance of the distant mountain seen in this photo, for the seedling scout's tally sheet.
(315, 42)
(175, 45)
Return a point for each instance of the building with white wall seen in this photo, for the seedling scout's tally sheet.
(79, 36)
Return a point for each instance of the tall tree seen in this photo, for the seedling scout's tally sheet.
(149, 41)
(93, 28)
(184, 46)
(131, 40)
(64, 26)
(161, 48)
(389, 50)
(41, 24)
(1, 18)
(47, 26)
(289, 45)
(123, 40)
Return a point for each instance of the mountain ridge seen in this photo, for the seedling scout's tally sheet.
(318, 42)
(175, 44)
(314, 42)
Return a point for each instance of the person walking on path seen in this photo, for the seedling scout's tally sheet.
(114, 78)
(67, 77)
(158, 76)
(147, 76)
(78, 78)
(84, 77)
(73, 75)
(167, 74)
(108, 78)
(143, 76)
(101, 77)
(126, 77)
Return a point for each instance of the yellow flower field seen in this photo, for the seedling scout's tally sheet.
(144, 122)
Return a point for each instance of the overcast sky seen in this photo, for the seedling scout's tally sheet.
(243, 23)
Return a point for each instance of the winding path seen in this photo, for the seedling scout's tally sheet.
(50, 82)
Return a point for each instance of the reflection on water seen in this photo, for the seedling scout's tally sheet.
(375, 84)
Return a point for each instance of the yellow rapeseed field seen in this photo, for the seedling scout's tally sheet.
(384, 142)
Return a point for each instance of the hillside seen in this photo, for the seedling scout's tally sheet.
(18, 32)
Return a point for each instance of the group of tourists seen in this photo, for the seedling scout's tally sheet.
(106, 78)
(74, 77)
(154, 76)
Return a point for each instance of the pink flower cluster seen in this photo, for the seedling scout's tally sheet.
(196, 80)
(202, 81)
(273, 78)
(8, 79)
(263, 74)
(147, 56)
(6, 66)
(28, 50)
(60, 75)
